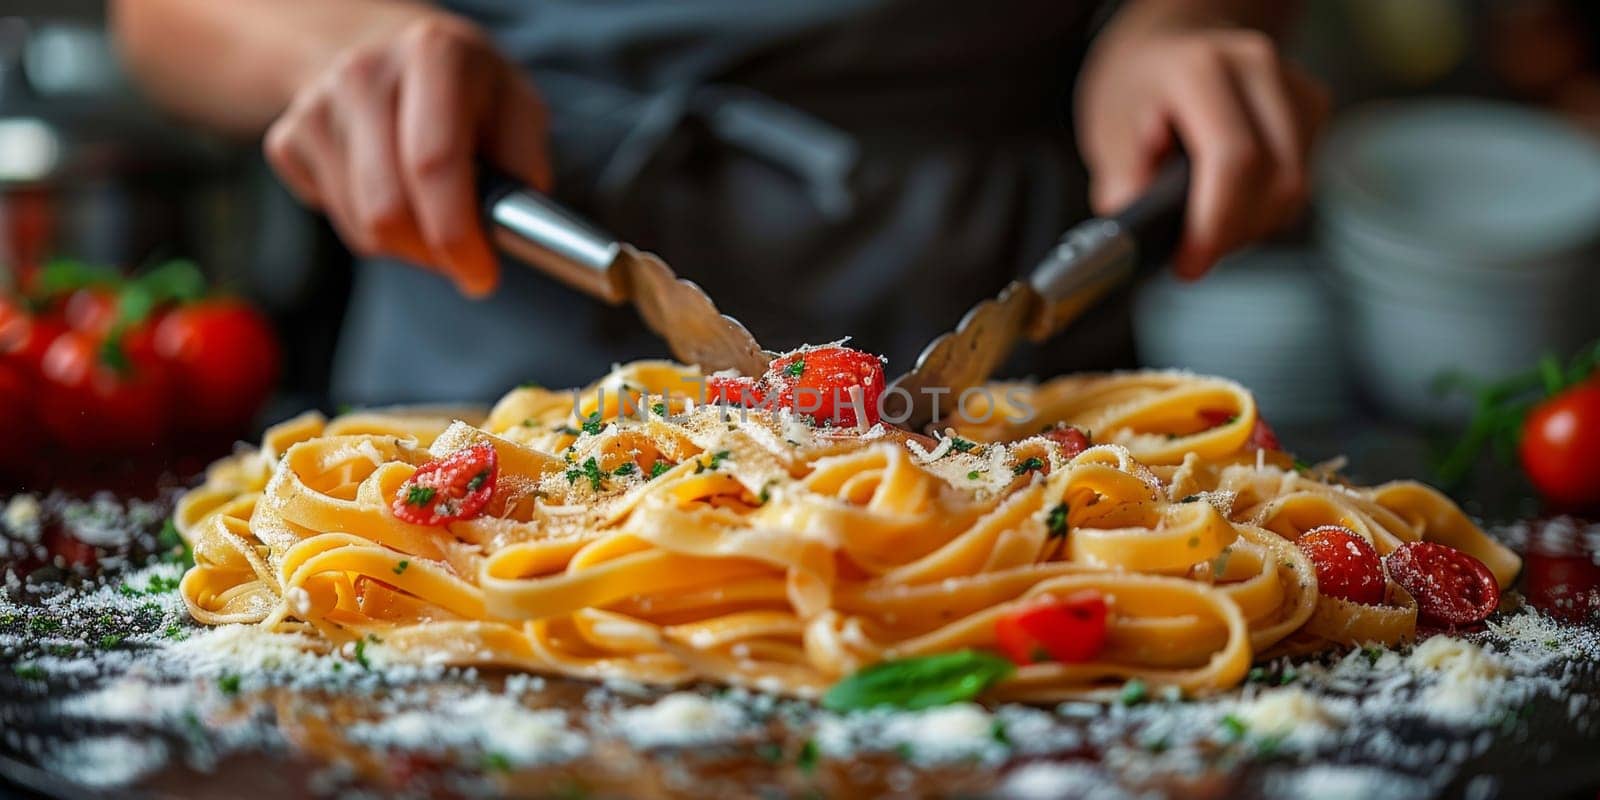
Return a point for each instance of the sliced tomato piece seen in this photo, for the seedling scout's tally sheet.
(735, 390)
(1347, 565)
(828, 384)
(1069, 629)
(1262, 437)
(447, 489)
(1451, 587)
(1072, 440)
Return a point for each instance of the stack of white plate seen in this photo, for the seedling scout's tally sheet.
(1462, 236)
(1264, 318)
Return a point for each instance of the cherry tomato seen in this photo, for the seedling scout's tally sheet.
(1068, 629)
(735, 390)
(25, 337)
(450, 488)
(91, 310)
(89, 403)
(1561, 447)
(820, 382)
(1451, 587)
(1347, 566)
(19, 435)
(1262, 436)
(1072, 440)
(225, 359)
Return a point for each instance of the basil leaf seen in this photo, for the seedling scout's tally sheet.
(920, 682)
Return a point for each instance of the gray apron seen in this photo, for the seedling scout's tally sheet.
(825, 168)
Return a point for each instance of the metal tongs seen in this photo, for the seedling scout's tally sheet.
(1090, 260)
(531, 227)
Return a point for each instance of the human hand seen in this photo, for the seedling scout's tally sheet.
(1245, 117)
(384, 141)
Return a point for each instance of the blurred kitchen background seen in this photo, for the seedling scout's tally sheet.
(1455, 228)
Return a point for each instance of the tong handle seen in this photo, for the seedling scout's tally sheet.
(1097, 255)
(533, 228)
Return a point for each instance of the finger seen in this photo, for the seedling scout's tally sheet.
(1128, 163)
(282, 151)
(379, 205)
(1225, 150)
(518, 137)
(440, 107)
(318, 147)
(1277, 115)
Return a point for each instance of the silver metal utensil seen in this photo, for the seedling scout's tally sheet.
(1089, 261)
(533, 228)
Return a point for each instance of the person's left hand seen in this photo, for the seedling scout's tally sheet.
(1245, 117)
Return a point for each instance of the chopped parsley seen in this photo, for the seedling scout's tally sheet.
(592, 424)
(766, 491)
(961, 445)
(400, 568)
(1030, 464)
(1133, 692)
(716, 461)
(28, 672)
(1190, 499)
(228, 683)
(1372, 654)
(420, 495)
(974, 475)
(496, 762)
(590, 470)
(1234, 728)
(478, 481)
(157, 585)
(110, 640)
(797, 368)
(1056, 521)
(807, 761)
(659, 409)
(626, 468)
(657, 468)
(361, 654)
(1301, 466)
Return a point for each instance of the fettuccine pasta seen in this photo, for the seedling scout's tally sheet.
(752, 549)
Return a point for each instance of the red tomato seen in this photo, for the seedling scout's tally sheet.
(821, 381)
(19, 435)
(1068, 629)
(1561, 447)
(225, 359)
(1072, 440)
(1451, 587)
(1347, 565)
(91, 311)
(457, 486)
(735, 390)
(1262, 436)
(24, 338)
(89, 404)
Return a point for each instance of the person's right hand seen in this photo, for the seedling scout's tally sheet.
(384, 141)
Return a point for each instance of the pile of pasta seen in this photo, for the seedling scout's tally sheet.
(683, 543)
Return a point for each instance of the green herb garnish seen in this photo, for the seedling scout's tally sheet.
(657, 468)
(1056, 521)
(400, 568)
(974, 475)
(229, 684)
(478, 481)
(796, 368)
(420, 495)
(1133, 692)
(807, 760)
(1233, 728)
(919, 682)
(28, 672)
(592, 424)
(1029, 464)
(626, 468)
(961, 445)
(496, 762)
(659, 409)
(361, 654)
